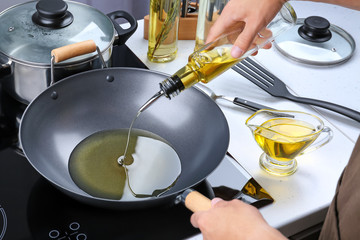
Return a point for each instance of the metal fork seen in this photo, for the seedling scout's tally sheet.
(275, 87)
(235, 100)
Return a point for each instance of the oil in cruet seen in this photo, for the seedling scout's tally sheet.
(276, 137)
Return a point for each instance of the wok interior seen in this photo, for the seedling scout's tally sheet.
(89, 102)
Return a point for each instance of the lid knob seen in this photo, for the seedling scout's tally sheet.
(52, 14)
(315, 29)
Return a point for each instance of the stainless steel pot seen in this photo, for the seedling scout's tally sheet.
(30, 31)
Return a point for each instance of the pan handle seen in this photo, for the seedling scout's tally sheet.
(195, 201)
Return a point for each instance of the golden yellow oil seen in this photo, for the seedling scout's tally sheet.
(206, 65)
(283, 139)
(153, 169)
(199, 43)
(163, 30)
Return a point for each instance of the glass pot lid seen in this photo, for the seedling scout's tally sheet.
(29, 31)
(317, 42)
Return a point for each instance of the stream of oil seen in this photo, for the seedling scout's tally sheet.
(151, 171)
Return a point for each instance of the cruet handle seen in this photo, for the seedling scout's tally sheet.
(328, 135)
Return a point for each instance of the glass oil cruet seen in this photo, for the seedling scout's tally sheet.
(285, 135)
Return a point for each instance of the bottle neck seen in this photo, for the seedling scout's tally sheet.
(172, 86)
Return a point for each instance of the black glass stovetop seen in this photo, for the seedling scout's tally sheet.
(32, 208)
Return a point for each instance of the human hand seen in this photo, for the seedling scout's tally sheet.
(250, 15)
(233, 220)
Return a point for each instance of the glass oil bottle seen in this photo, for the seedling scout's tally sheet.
(163, 30)
(214, 58)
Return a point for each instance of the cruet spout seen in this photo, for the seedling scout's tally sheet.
(252, 127)
(259, 117)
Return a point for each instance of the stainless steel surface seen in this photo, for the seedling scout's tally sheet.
(151, 100)
(103, 62)
(30, 65)
(28, 81)
(131, 6)
(25, 40)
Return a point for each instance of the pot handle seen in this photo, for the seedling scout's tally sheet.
(72, 50)
(123, 34)
(195, 201)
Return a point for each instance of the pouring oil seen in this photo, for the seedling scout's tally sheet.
(283, 139)
(202, 66)
(153, 169)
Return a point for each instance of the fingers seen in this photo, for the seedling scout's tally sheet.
(194, 219)
(231, 19)
(198, 215)
(254, 18)
(215, 201)
(221, 26)
(244, 40)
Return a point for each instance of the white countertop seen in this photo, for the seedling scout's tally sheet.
(301, 200)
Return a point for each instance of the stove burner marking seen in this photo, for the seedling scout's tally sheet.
(3, 230)
(73, 227)
(81, 236)
(54, 234)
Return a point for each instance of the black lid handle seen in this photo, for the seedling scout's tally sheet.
(52, 14)
(315, 29)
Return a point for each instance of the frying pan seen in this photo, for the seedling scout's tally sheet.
(82, 104)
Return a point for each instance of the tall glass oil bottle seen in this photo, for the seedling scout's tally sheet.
(163, 30)
(214, 58)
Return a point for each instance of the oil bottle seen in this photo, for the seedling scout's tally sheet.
(214, 58)
(163, 30)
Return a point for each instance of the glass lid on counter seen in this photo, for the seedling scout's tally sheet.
(315, 41)
(29, 31)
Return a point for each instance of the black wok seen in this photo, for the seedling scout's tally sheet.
(80, 105)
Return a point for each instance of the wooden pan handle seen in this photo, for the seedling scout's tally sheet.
(195, 201)
(72, 50)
